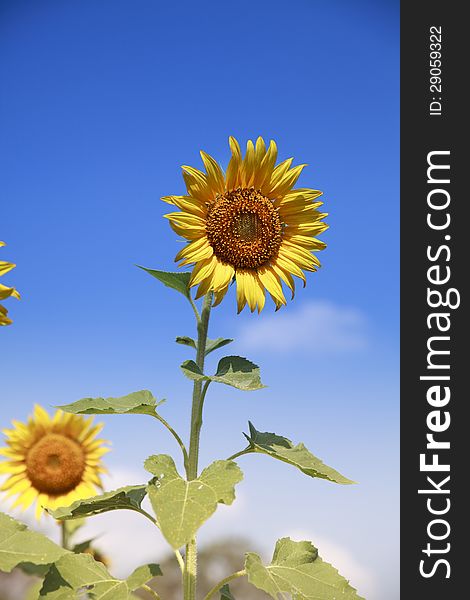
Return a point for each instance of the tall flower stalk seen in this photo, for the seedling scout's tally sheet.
(248, 226)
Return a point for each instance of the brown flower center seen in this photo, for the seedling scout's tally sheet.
(243, 228)
(55, 464)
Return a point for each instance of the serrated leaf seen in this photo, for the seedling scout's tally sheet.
(225, 593)
(192, 371)
(141, 575)
(239, 373)
(299, 456)
(21, 546)
(129, 497)
(186, 341)
(73, 572)
(178, 280)
(137, 403)
(235, 371)
(212, 345)
(297, 569)
(181, 506)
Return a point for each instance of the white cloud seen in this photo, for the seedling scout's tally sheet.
(324, 325)
(359, 575)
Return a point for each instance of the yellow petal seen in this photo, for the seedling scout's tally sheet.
(260, 151)
(188, 204)
(202, 270)
(233, 176)
(215, 177)
(5, 267)
(266, 167)
(223, 275)
(40, 415)
(13, 468)
(285, 276)
(277, 174)
(285, 183)
(248, 168)
(249, 289)
(6, 292)
(271, 282)
(219, 296)
(4, 320)
(195, 251)
(290, 266)
(196, 184)
(306, 195)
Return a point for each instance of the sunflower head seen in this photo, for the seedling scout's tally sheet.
(52, 461)
(6, 292)
(247, 225)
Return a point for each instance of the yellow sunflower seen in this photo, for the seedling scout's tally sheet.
(52, 461)
(6, 292)
(247, 225)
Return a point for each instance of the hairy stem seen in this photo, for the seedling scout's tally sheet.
(219, 585)
(241, 453)
(65, 536)
(199, 392)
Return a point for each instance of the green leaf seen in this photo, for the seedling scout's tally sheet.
(212, 345)
(33, 591)
(19, 546)
(73, 572)
(141, 575)
(239, 373)
(178, 280)
(299, 456)
(181, 506)
(235, 371)
(192, 371)
(225, 593)
(297, 569)
(186, 341)
(129, 497)
(82, 546)
(137, 403)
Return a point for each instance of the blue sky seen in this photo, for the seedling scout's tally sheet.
(102, 103)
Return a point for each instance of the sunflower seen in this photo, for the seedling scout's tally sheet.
(247, 225)
(52, 461)
(6, 292)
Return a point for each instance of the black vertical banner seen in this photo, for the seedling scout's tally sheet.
(435, 342)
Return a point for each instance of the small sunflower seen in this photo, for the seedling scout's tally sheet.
(247, 225)
(52, 461)
(6, 292)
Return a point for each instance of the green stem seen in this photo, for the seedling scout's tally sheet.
(199, 392)
(151, 591)
(65, 537)
(217, 587)
(241, 453)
